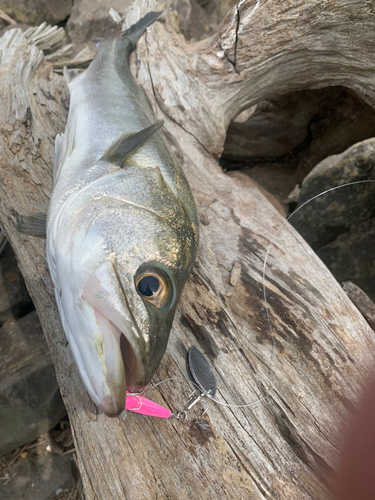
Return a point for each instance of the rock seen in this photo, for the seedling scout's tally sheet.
(301, 121)
(200, 19)
(38, 479)
(30, 401)
(362, 301)
(3, 241)
(34, 12)
(14, 299)
(274, 128)
(90, 19)
(278, 179)
(325, 218)
(285, 138)
(245, 180)
(351, 257)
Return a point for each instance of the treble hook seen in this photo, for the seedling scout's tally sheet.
(192, 401)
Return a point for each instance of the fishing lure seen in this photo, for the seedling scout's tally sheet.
(204, 378)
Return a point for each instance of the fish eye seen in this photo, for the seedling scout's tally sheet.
(153, 286)
(148, 286)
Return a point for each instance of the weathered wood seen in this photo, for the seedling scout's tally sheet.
(287, 445)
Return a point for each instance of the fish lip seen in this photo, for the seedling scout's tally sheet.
(109, 409)
(119, 341)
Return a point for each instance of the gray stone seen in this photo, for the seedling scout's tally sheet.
(200, 19)
(362, 301)
(285, 138)
(301, 121)
(14, 299)
(38, 479)
(328, 216)
(35, 12)
(30, 401)
(351, 257)
(3, 240)
(90, 20)
(275, 127)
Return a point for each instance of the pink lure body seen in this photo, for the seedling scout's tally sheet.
(138, 404)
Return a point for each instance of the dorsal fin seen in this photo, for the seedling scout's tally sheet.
(127, 144)
(33, 224)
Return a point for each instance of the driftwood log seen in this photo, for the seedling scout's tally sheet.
(287, 445)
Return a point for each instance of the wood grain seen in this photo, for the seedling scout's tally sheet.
(310, 371)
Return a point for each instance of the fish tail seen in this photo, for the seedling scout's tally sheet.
(134, 33)
(116, 51)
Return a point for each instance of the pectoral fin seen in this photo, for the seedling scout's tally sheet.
(33, 224)
(127, 144)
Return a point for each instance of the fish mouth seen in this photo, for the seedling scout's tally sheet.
(112, 339)
(119, 343)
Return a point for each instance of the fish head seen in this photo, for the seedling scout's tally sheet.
(133, 317)
(118, 294)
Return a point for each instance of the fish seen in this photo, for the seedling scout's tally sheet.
(121, 227)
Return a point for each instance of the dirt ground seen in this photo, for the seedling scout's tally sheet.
(58, 440)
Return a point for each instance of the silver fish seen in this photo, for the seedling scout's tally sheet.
(122, 228)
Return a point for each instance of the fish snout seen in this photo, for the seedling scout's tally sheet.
(111, 407)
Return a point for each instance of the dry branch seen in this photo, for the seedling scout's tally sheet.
(287, 445)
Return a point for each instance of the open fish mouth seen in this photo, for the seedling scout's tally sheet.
(112, 339)
(118, 344)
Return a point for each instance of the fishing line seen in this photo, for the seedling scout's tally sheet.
(277, 232)
(146, 390)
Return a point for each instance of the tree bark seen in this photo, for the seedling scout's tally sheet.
(307, 375)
